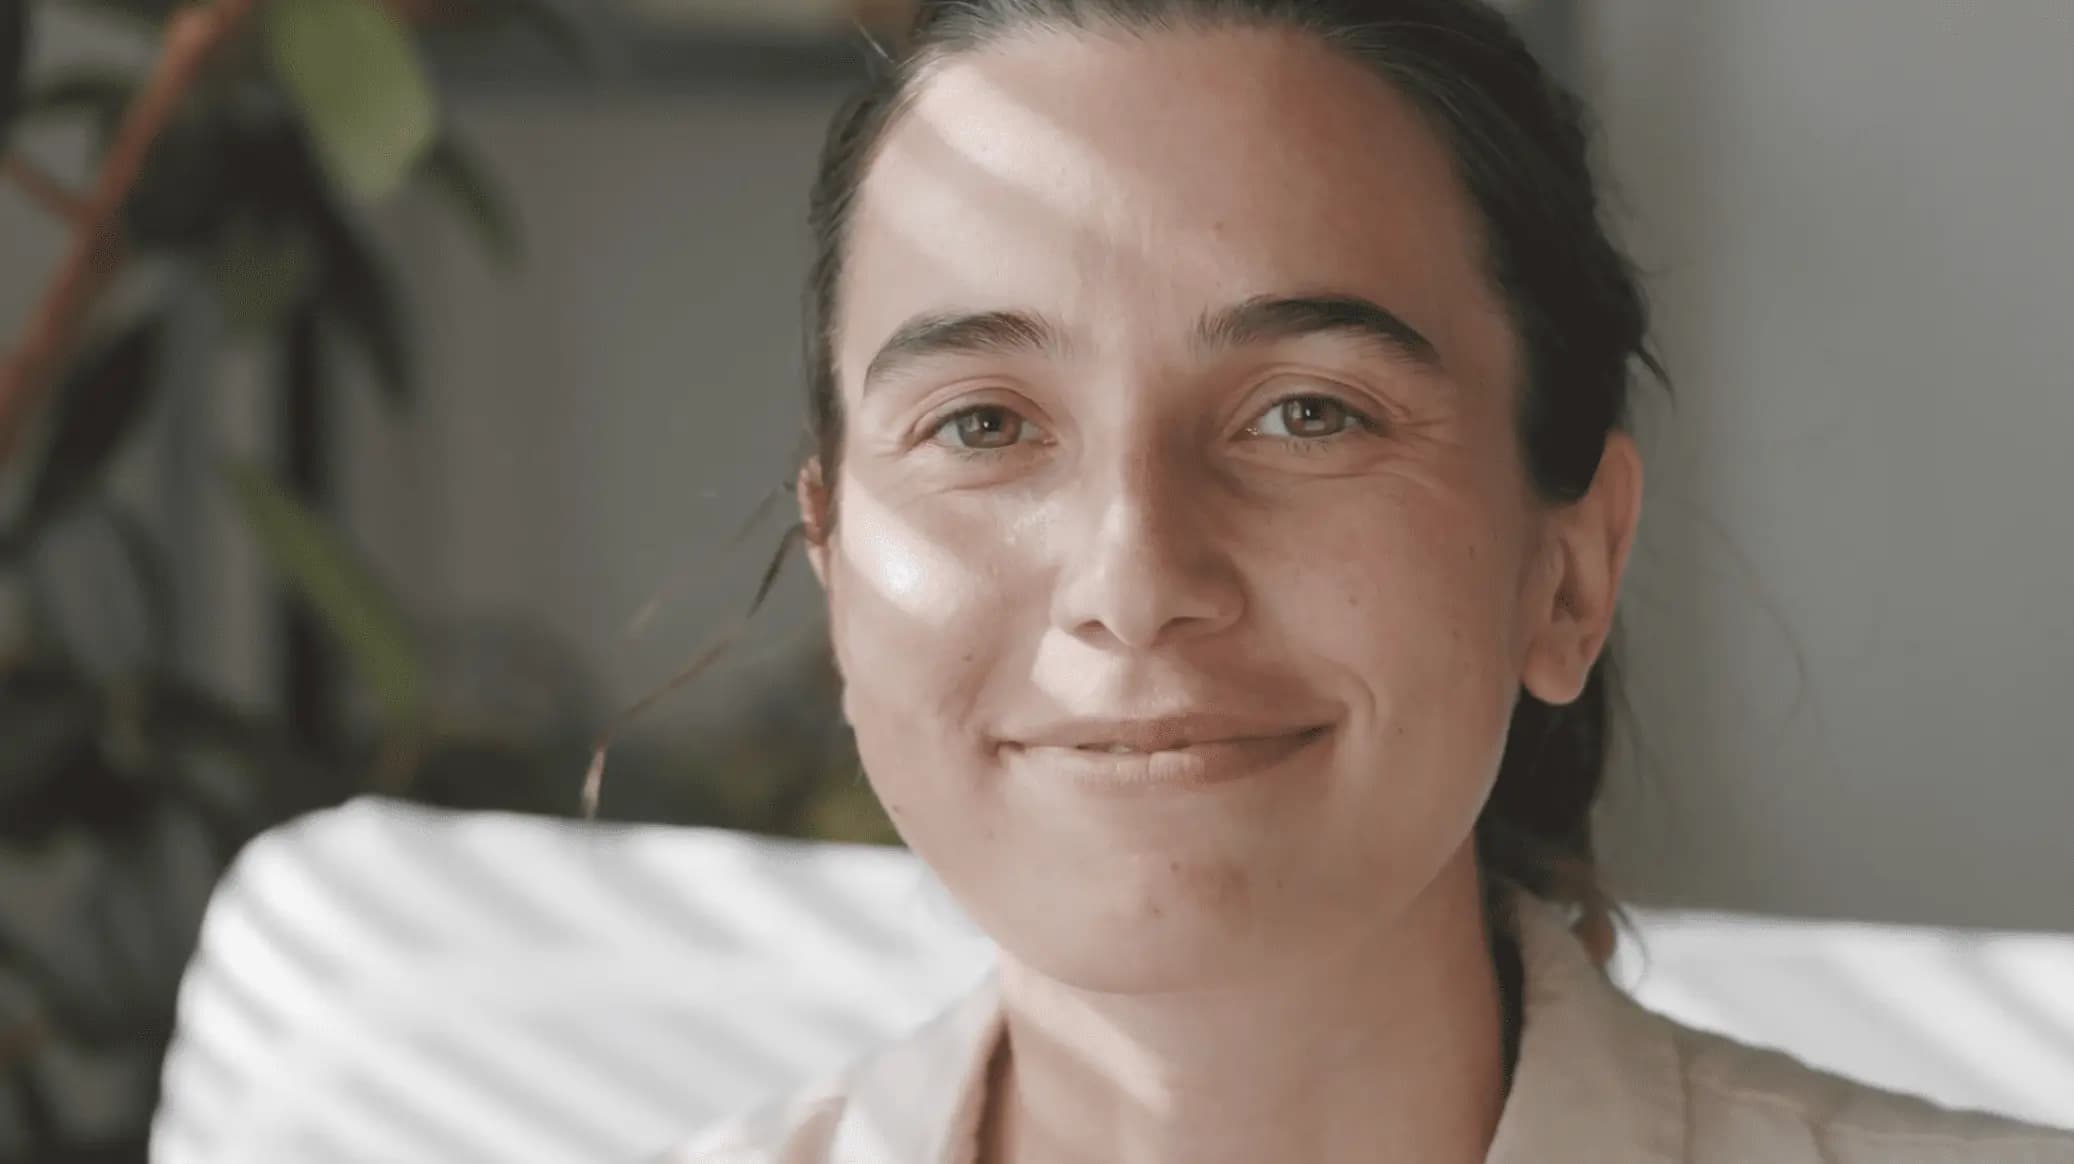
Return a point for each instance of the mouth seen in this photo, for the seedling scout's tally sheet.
(1119, 749)
(1119, 766)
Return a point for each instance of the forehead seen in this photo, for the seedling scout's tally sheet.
(1128, 184)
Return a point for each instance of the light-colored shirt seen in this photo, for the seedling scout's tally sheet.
(1599, 1079)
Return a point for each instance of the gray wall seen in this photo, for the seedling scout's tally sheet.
(1854, 623)
(597, 429)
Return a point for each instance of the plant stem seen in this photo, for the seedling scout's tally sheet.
(43, 189)
(193, 34)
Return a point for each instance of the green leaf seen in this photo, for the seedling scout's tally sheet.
(240, 770)
(321, 567)
(14, 50)
(459, 173)
(184, 195)
(150, 572)
(352, 283)
(358, 295)
(260, 271)
(50, 718)
(354, 73)
(99, 402)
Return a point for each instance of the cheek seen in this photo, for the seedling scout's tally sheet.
(1403, 575)
(1410, 596)
(897, 568)
(916, 618)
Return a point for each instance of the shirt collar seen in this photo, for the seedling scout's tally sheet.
(1598, 1077)
(920, 1100)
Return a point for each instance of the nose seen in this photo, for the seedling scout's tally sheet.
(1147, 566)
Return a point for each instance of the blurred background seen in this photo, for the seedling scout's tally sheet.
(397, 390)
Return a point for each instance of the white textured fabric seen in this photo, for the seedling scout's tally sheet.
(1599, 1079)
(384, 984)
(388, 984)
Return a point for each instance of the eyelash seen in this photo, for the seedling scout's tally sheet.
(960, 451)
(1360, 421)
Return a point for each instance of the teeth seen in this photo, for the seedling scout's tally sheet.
(1125, 749)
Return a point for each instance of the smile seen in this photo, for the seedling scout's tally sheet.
(1120, 767)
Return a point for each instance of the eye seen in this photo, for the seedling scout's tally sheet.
(1309, 418)
(982, 428)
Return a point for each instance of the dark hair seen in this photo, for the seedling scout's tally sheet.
(1520, 143)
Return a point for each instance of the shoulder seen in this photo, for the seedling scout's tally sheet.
(1748, 1103)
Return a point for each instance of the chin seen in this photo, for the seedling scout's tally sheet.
(1142, 961)
(1177, 937)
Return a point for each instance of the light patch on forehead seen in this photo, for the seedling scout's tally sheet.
(1126, 188)
(971, 153)
(981, 201)
(992, 128)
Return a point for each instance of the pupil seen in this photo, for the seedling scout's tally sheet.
(986, 428)
(1310, 416)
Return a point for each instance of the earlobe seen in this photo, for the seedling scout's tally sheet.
(1559, 656)
(813, 516)
(1593, 538)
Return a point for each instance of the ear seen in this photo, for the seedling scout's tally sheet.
(814, 514)
(1586, 556)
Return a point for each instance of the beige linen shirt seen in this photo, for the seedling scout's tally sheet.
(1599, 1080)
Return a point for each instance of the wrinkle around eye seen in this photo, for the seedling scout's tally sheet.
(904, 411)
(1372, 413)
(933, 409)
(1027, 432)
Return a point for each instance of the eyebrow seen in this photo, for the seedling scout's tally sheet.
(981, 333)
(1269, 318)
(1260, 320)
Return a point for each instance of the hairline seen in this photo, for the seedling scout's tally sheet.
(914, 71)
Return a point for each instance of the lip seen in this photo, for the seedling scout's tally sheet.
(1196, 763)
(1149, 734)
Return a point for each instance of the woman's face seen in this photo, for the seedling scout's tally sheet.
(1186, 568)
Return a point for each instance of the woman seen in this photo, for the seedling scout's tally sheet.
(1221, 497)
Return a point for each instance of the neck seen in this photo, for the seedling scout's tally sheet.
(1394, 1051)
